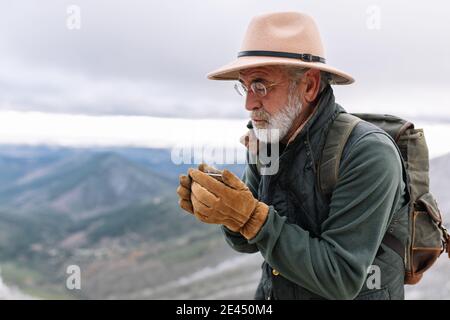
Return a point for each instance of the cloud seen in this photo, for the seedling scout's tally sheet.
(12, 293)
(151, 57)
(50, 90)
(83, 130)
(208, 135)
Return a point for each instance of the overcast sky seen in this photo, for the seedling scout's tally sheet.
(137, 57)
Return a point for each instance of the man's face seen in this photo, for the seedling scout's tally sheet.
(278, 109)
(276, 96)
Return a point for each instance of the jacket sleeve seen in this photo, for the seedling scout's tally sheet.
(335, 264)
(235, 239)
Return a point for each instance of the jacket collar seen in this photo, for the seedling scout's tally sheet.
(324, 113)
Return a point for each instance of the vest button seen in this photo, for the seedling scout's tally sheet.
(275, 272)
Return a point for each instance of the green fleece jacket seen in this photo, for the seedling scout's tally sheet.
(333, 264)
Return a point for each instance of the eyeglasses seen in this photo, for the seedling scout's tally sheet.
(258, 88)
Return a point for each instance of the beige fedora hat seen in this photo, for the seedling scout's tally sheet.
(284, 38)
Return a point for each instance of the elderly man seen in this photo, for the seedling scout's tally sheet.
(314, 246)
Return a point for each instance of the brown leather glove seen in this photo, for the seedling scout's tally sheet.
(230, 203)
(184, 189)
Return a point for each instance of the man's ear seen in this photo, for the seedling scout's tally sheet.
(310, 85)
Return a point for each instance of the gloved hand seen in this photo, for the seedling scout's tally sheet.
(184, 189)
(230, 203)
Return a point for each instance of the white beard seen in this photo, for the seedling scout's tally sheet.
(278, 124)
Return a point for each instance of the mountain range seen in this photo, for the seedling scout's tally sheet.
(114, 212)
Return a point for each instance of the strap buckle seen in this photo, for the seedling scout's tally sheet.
(446, 240)
(307, 57)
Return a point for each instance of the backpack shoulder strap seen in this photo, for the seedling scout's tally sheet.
(335, 141)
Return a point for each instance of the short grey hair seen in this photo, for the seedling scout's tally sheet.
(296, 73)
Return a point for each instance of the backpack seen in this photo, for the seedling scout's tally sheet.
(426, 237)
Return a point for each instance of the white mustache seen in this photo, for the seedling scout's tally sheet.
(260, 114)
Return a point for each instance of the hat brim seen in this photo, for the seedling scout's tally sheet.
(231, 70)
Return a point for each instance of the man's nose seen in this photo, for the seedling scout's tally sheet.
(251, 102)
